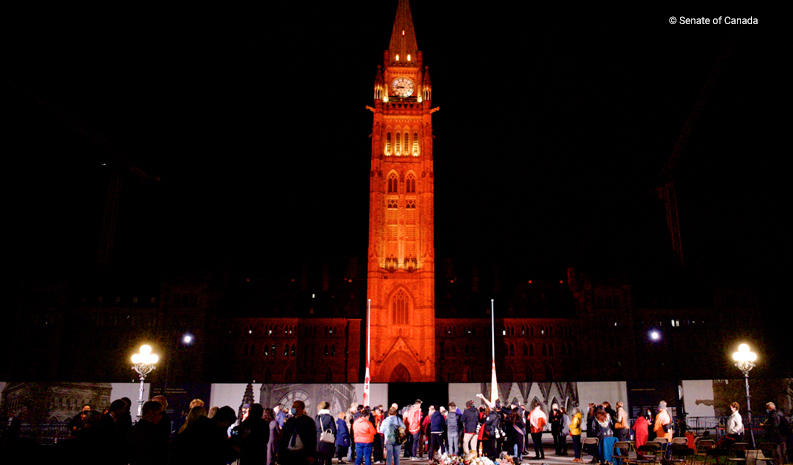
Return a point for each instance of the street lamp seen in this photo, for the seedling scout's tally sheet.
(744, 360)
(143, 365)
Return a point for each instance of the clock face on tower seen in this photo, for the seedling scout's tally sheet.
(402, 87)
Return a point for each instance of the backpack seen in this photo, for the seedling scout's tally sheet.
(401, 435)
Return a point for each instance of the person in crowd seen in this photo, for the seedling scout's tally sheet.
(575, 433)
(413, 421)
(298, 443)
(603, 429)
(351, 417)
(641, 429)
(124, 423)
(480, 436)
(192, 417)
(556, 421)
(437, 427)
(470, 420)
(212, 411)
(425, 431)
(389, 428)
(275, 434)
(537, 422)
(165, 421)
(342, 437)
(364, 432)
(650, 415)
(565, 425)
(76, 424)
(280, 415)
(325, 423)
(622, 426)
(516, 431)
(612, 414)
(663, 422)
(149, 446)
(377, 413)
(453, 427)
(490, 425)
(735, 423)
(112, 439)
(777, 429)
(254, 435)
(205, 441)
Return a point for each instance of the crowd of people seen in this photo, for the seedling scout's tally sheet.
(366, 435)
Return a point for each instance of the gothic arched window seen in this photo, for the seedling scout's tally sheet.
(400, 307)
(410, 184)
(415, 144)
(398, 146)
(393, 183)
(388, 143)
(405, 147)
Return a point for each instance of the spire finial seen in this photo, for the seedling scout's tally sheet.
(403, 49)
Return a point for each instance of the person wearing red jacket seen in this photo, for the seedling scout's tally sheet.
(413, 421)
(537, 419)
(363, 431)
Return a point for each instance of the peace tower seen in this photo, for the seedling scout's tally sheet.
(401, 256)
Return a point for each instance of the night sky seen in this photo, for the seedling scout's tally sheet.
(552, 131)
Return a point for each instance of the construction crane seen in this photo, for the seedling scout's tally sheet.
(118, 163)
(666, 188)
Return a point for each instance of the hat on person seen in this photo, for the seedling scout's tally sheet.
(417, 401)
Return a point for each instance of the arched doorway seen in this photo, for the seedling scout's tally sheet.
(400, 374)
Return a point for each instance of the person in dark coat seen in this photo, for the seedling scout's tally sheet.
(298, 444)
(777, 429)
(205, 441)
(470, 420)
(342, 438)
(325, 422)
(437, 427)
(254, 436)
(149, 446)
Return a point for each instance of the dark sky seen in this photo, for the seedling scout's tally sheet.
(553, 128)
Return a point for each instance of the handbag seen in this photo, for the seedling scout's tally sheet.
(327, 436)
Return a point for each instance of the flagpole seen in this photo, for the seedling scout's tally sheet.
(493, 380)
(368, 353)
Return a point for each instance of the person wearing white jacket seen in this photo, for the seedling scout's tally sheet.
(735, 423)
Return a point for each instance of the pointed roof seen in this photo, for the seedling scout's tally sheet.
(403, 36)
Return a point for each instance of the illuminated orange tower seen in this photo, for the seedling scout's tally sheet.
(401, 264)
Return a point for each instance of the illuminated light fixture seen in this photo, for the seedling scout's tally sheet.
(143, 365)
(408, 57)
(530, 281)
(744, 355)
(397, 57)
(561, 282)
(744, 361)
(187, 338)
(655, 335)
(403, 32)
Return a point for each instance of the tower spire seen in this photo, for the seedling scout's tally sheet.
(403, 48)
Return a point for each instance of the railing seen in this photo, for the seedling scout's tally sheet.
(44, 433)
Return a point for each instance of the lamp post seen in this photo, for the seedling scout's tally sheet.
(744, 360)
(143, 365)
